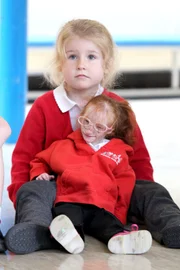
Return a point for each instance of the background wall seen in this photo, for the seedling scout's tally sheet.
(147, 34)
(127, 20)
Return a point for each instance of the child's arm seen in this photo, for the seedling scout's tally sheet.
(5, 132)
(45, 176)
(40, 166)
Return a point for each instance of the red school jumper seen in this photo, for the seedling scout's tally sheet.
(102, 178)
(44, 124)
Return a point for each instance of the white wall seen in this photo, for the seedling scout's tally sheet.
(125, 19)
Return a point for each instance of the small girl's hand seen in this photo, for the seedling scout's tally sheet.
(45, 176)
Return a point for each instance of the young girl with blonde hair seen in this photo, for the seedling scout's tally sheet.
(83, 65)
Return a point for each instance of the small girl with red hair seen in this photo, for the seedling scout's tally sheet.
(94, 179)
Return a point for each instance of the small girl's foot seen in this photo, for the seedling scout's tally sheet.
(63, 230)
(133, 242)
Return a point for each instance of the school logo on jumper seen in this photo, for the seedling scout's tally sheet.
(114, 157)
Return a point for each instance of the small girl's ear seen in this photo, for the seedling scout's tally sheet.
(111, 131)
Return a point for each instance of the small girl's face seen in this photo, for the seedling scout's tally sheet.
(83, 66)
(94, 127)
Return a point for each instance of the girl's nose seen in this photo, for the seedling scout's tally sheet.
(81, 64)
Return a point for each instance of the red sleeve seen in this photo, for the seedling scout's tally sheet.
(41, 163)
(140, 161)
(125, 182)
(30, 142)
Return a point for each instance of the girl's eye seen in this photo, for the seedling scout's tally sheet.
(91, 57)
(72, 56)
(100, 127)
(86, 121)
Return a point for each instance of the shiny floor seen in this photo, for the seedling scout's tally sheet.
(159, 122)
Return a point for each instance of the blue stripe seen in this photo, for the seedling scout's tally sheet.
(118, 43)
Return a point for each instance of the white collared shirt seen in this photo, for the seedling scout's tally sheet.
(65, 104)
(97, 146)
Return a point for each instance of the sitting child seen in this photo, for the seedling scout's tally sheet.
(5, 132)
(94, 179)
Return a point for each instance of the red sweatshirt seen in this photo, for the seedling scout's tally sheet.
(103, 178)
(44, 124)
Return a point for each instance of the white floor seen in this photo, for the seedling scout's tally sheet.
(159, 122)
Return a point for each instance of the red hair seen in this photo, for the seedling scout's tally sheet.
(118, 113)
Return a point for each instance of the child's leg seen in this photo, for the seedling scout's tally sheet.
(33, 216)
(65, 226)
(152, 203)
(108, 229)
(2, 246)
(63, 230)
(5, 131)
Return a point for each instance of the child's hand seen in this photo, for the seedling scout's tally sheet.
(5, 131)
(45, 176)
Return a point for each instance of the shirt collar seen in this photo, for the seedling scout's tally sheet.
(64, 103)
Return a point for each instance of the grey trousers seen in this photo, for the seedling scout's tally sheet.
(151, 204)
(35, 201)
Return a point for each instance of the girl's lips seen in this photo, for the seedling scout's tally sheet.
(89, 136)
(81, 76)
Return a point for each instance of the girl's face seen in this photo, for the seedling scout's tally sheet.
(83, 66)
(94, 127)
